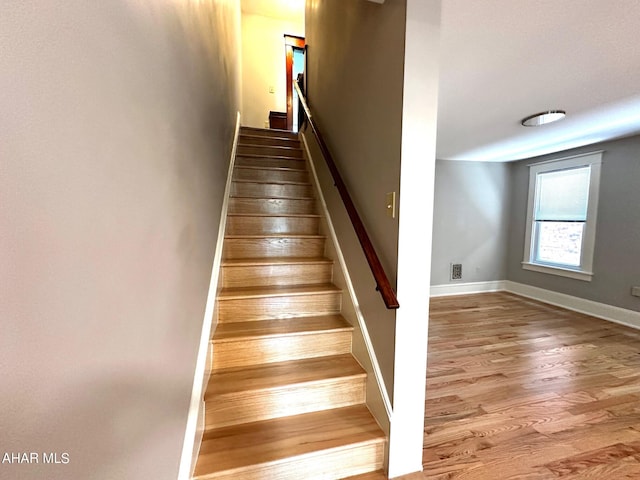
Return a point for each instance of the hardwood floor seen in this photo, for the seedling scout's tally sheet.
(517, 389)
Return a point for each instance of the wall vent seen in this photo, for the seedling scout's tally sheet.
(456, 271)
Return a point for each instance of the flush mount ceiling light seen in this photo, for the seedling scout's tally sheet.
(543, 118)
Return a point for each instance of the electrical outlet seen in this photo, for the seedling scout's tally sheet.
(266, 124)
(635, 291)
(456, 271)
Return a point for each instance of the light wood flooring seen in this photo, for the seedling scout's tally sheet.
(521, 389)
(517, 389)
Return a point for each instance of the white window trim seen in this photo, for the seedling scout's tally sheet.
(585, 270)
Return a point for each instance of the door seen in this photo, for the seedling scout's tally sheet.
(295, 53)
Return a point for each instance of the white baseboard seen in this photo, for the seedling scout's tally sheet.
(195, 417)
(630, 318)
(466, 288)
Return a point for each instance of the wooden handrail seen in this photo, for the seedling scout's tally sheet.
(382, 282)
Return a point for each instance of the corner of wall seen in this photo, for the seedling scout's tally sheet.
(195, 419)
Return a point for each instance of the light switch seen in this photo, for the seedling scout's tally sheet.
(272, 89)
(635, 291)
(391, 204)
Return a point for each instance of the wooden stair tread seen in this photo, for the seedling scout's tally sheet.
(276, 261)
(274, 150)
(275, 235)
(276, 136)
(244, 196)
(268, 131)
(275, 291)
(235, 331)
(271, 441)
(279, 147)
(266, 167)
(281, 374)
(277, 215)
(271, 182)
(262, 163)
(270, 197)
(254, 244)
(247, 139)
(278, 157)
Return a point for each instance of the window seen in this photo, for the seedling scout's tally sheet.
(561, 216)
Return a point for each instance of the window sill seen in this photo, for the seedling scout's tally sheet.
(563, 272)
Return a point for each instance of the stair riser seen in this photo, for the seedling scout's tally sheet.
(267, 175)
(260, 350)
(248, 309)
(252, 406)
(280, 206)
(270, 141)
(259, 132)
(247, 225)
(269, 190)
(236, 248)
(324, 465)
(270, 162)
(276, 275)
(269, 151)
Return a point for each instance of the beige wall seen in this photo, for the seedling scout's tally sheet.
(355, 77)
(116, 121)
(263, 65)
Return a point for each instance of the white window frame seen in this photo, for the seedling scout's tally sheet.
(585, 270)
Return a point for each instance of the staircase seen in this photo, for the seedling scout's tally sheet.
(286, 399)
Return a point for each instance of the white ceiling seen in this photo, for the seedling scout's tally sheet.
(503, 60)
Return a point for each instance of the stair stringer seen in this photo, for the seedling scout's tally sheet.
(377, 398)
(195, 418)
